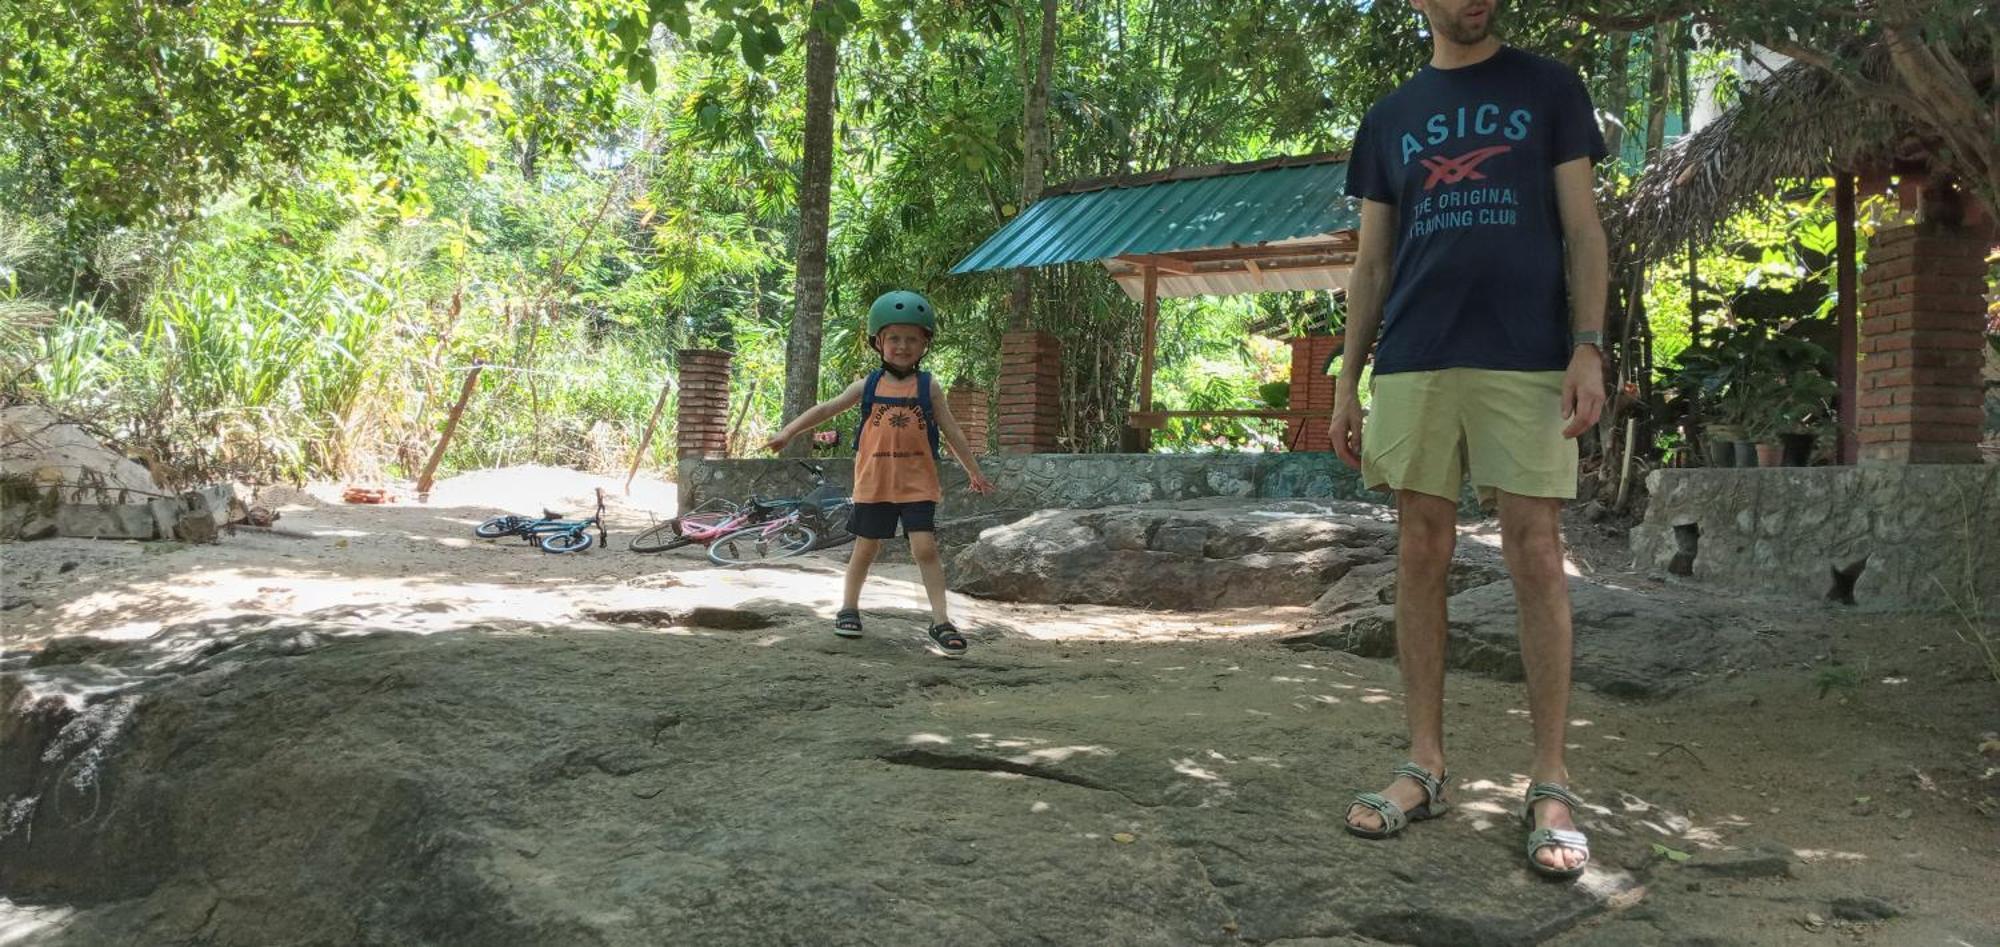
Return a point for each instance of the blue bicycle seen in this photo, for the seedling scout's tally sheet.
(550, 531)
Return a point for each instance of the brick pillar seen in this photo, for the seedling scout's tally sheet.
(701, 420)
(1030, 392)
(1312, 390)
(1922, 328)
(968, 406)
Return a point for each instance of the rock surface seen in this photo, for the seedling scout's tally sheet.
(264, 781)
(1626, 644)
(1189, 555)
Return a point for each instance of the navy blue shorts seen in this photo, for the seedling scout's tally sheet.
(878, 520)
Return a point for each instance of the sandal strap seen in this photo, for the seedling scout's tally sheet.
(1558, 838)
(1556, 791)
(1433, 783)
(946, 631)
(1393, 816)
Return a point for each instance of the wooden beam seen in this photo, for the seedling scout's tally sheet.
(1162, 261)
(1847, 321)
(1187, 259)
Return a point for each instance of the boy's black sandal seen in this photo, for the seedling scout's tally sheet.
(847, 623)
(947, 638)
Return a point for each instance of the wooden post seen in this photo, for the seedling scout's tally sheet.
(1151, 305)
(450, 425)
(1847, 370)
(646, 439)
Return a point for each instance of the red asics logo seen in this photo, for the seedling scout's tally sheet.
(1465, 167)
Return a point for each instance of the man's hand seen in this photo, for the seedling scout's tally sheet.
(977, 480)
(777, 443)
(1583, 390)
(1345, 430)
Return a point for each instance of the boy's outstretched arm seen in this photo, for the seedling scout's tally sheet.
(815, 414)
(960, 447)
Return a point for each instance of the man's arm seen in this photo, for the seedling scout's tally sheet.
(1588, 257)
(1367, 285)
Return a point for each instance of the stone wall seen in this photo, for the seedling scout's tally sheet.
(1029, 482)
(1891, 537)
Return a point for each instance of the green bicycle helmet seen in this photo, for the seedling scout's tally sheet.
(901, 307)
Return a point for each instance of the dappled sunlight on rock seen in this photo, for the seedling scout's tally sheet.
(25, 924)
(1826, 855)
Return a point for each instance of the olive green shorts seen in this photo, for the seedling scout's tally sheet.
(1431, 431)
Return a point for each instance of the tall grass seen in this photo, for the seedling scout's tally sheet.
(245, 366)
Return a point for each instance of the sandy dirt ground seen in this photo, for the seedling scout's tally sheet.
(1838, 789)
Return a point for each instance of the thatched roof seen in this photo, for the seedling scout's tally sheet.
(1798, 124)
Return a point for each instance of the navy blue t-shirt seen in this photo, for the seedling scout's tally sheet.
(1468, 158)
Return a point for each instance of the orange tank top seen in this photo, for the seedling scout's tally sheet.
(893, 462)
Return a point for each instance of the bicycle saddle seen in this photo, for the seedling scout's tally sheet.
(549, 514)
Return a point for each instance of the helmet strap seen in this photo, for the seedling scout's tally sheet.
(898, 373)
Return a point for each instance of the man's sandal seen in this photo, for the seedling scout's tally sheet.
(1394, 819)
(1539, 839)
(847, 623)
(947, 639)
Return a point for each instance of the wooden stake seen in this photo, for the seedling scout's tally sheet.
(646, 439)
(1625, 468)
(735, 443)
(450, 425)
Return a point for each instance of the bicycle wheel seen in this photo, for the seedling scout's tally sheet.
(566, 542)
(498, 526)
(753, 544)
(661, 537)
(832, 526)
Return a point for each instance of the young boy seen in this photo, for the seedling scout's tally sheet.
(895, 457)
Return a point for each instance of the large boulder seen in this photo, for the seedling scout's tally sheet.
(1627, 644)
(39, 448)
(1189, 555)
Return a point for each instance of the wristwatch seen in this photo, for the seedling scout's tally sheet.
(1587, 338)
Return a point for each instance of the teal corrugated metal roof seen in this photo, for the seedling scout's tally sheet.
(1225, 209)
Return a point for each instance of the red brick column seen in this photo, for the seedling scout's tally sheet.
(1312, 390)
(1922, 325)
(701, 420)
(968, 407)
(1030, 392)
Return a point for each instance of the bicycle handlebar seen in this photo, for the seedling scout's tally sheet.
(813, 469)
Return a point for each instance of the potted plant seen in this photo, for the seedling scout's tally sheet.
(1800, 398)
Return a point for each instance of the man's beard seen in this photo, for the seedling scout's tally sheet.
(1458, 31)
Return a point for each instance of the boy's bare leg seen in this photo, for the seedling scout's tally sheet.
(924, 549)
(1427, 532)
(858, 561)
(1531, 541)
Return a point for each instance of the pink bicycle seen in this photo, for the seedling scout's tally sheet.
(759, 530)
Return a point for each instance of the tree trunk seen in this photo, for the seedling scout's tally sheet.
(1621, 94)
(802, 346)
(1034, 158)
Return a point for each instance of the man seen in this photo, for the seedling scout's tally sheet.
(1475, 179)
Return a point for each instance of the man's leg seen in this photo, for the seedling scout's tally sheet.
(1427, 533)
(1531, 541)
